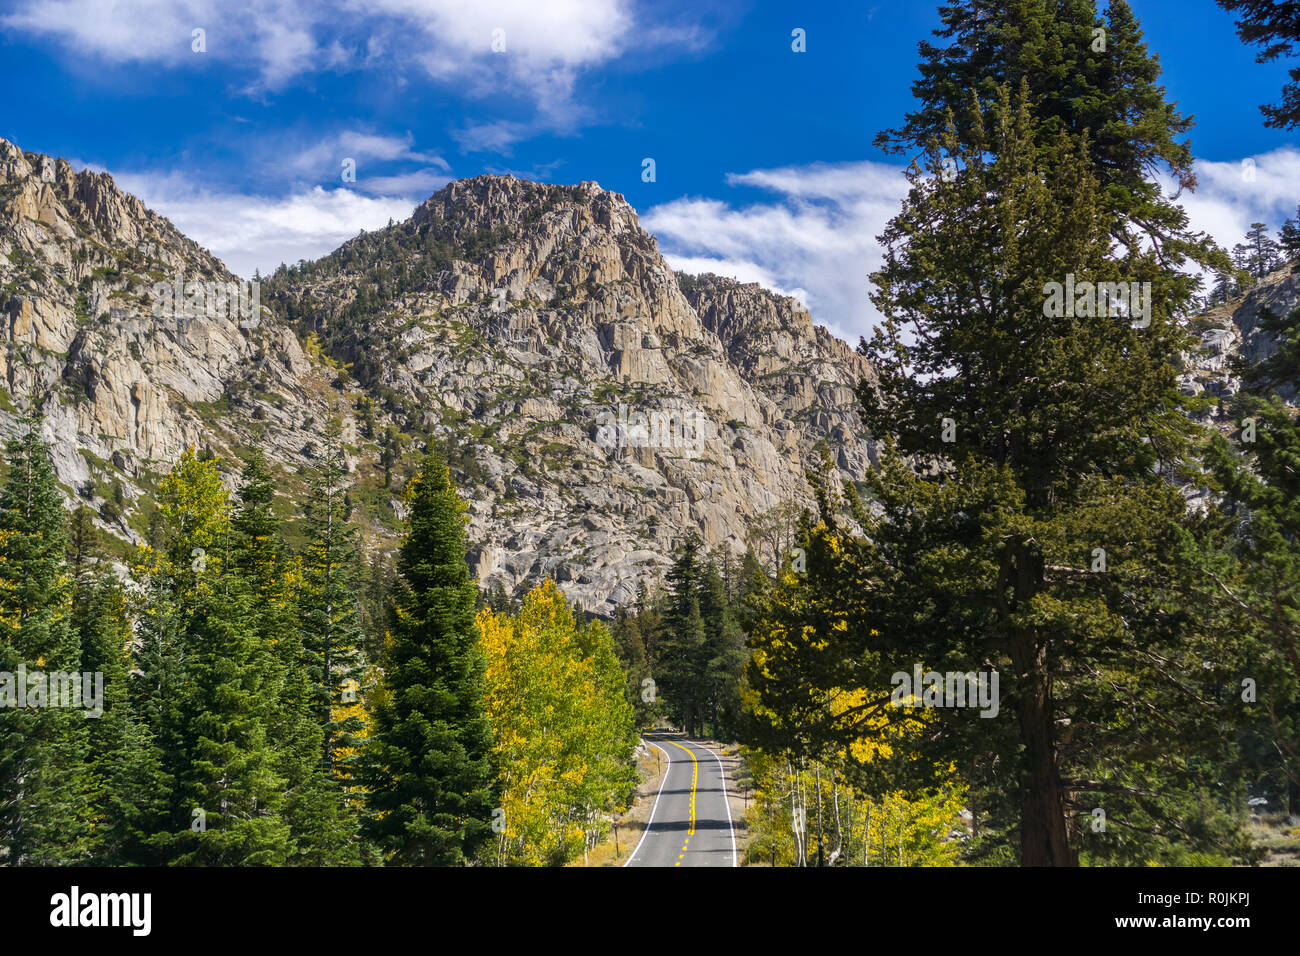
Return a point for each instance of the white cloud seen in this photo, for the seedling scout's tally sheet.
(420, 184)
(816, 241)
(740, 271)
(323, 159)
(287, 51)
(496, 136)
(535, 36)
(370, 146)
(248, 232)
(532, 50)
(142, 30)
(280, 40)
(540, 46)
(1228, 198)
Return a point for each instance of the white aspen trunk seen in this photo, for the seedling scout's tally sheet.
(839, 830)
(866, 836)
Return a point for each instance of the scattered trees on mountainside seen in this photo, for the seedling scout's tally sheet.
(1255, 258)
(1259, 254)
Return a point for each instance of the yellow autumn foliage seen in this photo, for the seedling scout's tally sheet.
(562, 726)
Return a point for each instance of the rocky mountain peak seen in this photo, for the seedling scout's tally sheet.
(88, 205)
(537, 332)
(594, 405)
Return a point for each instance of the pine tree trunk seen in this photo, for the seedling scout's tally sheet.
(1044, 840)
(1043, 837)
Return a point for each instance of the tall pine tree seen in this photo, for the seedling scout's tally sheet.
(331, 626)
(1045, 540)
(428, 771)
(46, 787)
(682, 656)
(1083, 73)
(322, 830)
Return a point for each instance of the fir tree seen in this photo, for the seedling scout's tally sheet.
(230, 791)
(1083, 74)
(376, 604)
(725, 650)
(1223, 289)
(313, 806)
(1261, 253)
(212, 725)
(46, 789)
(683, 643)
(1289, 239)
(331, 627)
(635, 633)
(428, 761)
(989, 561)
(100, 616)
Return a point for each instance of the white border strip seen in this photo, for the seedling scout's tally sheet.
(726, 801)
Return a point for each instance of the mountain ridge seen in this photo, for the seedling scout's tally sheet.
(504, 320)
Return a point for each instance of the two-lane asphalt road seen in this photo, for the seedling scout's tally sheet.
(690, 822)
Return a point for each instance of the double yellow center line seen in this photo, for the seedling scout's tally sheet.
(695, 779)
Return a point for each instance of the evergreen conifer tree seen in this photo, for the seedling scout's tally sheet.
(431, 786)
(46, 787)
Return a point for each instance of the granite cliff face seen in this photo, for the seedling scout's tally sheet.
(1232, 330)
(595, 406)
(125, 384)
(803, 369)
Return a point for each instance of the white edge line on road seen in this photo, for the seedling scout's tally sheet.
(651, 821)
(726, 802)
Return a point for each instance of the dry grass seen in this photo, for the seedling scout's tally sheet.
(1279, 835)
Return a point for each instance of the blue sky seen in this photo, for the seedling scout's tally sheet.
(764, 161)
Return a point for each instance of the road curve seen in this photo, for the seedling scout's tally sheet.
(690, 820)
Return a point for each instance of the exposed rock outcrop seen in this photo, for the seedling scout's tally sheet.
(531, 328)
(126, 384)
